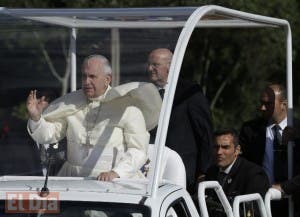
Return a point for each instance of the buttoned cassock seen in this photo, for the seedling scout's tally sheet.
(107, 133)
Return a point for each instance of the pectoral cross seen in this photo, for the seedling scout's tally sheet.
(87, 143)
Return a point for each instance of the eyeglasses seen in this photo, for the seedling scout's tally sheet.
(156, 65)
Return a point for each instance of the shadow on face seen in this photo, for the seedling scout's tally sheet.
(267, 103)
(225, 150)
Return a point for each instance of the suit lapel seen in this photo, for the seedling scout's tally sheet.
(262, 141)
(231, 175)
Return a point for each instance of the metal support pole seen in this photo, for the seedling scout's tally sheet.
(73, 59)
(289, 81)
(115, 56)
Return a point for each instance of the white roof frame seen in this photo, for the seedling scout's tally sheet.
(179, 52)
(73, 18)
(210, 16)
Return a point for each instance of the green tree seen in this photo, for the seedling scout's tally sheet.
(231, 65)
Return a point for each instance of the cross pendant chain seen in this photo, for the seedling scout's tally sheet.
(91, 122)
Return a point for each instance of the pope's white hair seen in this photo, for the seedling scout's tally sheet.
(106, 64)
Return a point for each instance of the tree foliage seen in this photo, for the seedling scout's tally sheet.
(231, 65)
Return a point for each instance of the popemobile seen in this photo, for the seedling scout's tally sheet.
(125, 35)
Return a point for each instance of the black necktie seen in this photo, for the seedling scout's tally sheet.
(280, 162)
(161, 93)
(277, 137)
(222, 178)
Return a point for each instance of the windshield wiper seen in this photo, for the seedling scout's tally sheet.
(49, 154)
(45, 190)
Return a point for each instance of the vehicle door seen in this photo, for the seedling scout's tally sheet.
(178, 204)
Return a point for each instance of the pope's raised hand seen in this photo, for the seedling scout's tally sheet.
(35, 106)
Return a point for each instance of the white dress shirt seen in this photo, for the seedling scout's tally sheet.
(268, 161)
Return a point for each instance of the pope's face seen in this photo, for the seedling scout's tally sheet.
(94, 80)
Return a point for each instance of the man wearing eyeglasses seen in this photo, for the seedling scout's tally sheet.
(159, 61)
(190, 127)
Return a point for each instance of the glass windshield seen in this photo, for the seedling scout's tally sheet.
(36, 56)
(37, 46)
(79, 209)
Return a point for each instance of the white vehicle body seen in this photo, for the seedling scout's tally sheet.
(117, 192)
(156, 195)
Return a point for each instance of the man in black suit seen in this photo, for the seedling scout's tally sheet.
(264, 139)
(190, 126)
(241, 175)
(235, 174)
(257, 136)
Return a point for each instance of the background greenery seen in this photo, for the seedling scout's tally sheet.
(229, 75)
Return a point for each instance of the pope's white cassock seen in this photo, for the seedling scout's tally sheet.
(106, 133)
